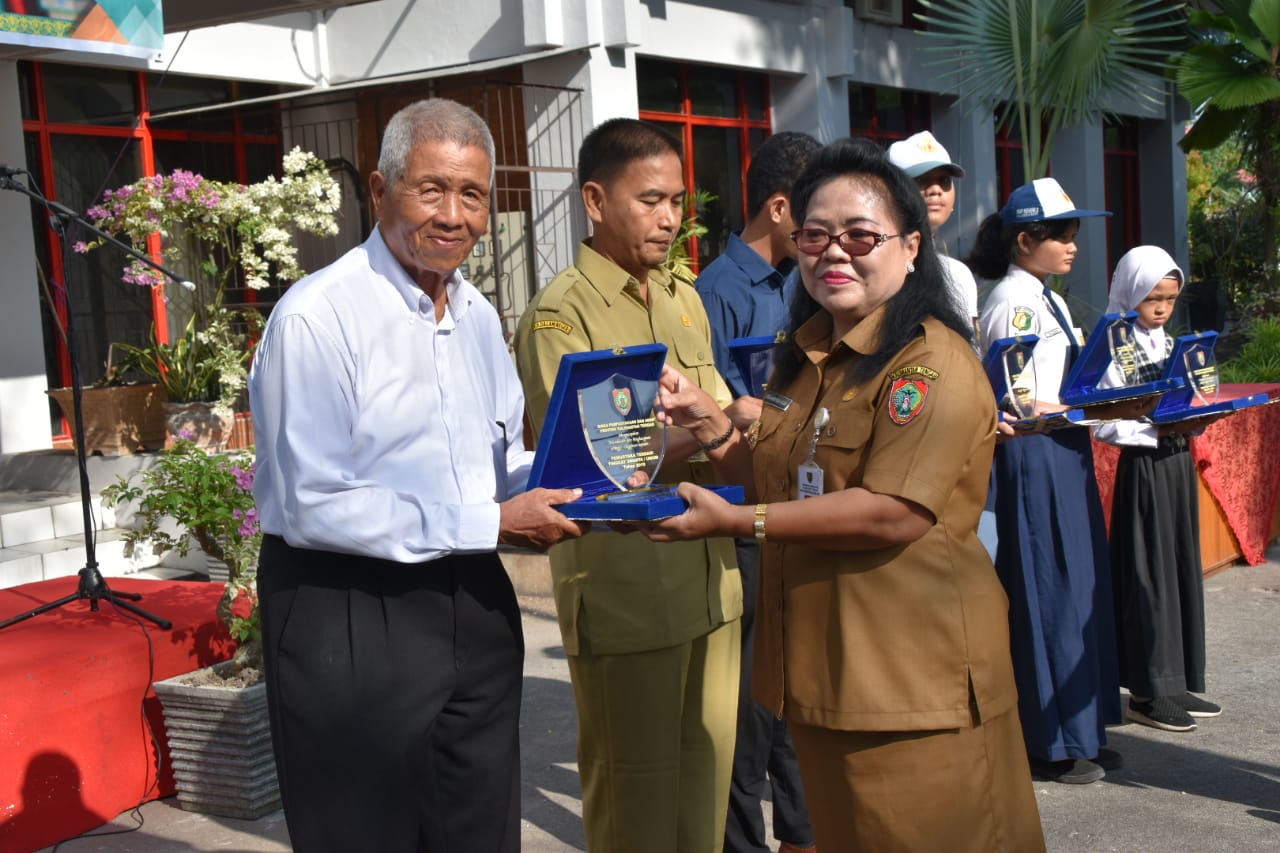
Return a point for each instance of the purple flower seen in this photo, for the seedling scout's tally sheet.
(79, 247)
(249, 525)
(97, 211)
(244, 478)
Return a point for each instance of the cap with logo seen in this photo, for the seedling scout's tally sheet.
(921, 153)
(1043, 198)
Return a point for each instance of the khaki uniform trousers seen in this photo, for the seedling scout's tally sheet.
(959, 790)
(655, 744)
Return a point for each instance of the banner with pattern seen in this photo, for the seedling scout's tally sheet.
(133, 28)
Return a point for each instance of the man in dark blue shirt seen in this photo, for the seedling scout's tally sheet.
(747, 292)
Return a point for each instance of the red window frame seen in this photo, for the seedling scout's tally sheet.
(45, 130)
(688, 120)
(916, 109)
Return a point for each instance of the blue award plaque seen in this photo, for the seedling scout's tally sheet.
(1194, 364)
(1112, 341)
(603, 434)
(1012, 375)
(754, 359)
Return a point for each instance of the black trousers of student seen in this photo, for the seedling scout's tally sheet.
(1156, 571)
(763, 755)
(394, 696)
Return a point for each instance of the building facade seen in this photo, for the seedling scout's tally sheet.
(228, 94)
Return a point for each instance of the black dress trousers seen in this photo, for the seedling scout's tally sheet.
(394, 695)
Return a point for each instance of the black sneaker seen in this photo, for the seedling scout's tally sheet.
(1197, 707)
(1160, 713)
(1070, 771)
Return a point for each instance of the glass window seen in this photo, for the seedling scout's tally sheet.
(27, 91)
(658, 86)
(713, 92)
(76, 95)
(718, 169)
(886, 114)
(106, 309)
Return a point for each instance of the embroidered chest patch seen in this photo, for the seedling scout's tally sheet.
(906, 399)
(1022, 318)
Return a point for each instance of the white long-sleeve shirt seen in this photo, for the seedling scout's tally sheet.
(379, 431)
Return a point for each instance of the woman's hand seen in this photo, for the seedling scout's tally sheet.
(686, 405)
(708, 515)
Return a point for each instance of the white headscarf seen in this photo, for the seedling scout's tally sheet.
(1138, 273)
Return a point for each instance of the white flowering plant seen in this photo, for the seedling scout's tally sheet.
(217, 233)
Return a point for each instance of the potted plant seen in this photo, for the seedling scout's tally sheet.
(120, 416)
(215, 719)
(218, 234)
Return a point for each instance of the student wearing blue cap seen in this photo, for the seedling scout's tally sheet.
(1052, 555)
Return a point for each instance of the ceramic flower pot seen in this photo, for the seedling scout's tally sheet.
(198, 422)
(118, 419)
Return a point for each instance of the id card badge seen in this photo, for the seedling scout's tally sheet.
(808, 480)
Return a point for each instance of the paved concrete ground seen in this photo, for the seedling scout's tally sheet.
(1214, 789)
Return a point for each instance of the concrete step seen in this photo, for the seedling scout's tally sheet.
(42, 538)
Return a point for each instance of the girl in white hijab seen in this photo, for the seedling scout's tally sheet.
(1155, 536)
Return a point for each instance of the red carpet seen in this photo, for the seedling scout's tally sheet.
(75, 750)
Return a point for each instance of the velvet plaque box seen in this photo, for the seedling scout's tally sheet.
(1194, 364)
(602, 434)
(754, 359)
(1012, 375)
(1112, 341)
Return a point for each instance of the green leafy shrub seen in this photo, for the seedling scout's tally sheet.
(1259, 359)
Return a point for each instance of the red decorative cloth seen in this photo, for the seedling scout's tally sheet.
(77, 712)
(1239, 460)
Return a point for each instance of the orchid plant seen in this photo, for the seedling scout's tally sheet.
(217, 233)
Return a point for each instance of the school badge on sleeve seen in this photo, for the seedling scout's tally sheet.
(906, 399)
(1022, 318)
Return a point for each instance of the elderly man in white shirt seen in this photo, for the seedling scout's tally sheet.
(391, 465)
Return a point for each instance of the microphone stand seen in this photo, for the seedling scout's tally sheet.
(92, 587)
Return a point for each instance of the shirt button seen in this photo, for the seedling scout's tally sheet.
(702, 356)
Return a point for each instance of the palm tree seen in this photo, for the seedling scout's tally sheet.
(1232, 77)
(1047, 64)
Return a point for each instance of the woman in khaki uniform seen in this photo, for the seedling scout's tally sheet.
(883, 629)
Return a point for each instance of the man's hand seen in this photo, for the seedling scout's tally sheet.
(529, 520)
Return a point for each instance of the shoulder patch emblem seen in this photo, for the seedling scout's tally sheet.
(558, 325)
(906, 400)
(1022, 318)
(914, 370)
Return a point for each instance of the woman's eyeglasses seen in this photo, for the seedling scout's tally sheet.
(855, 242)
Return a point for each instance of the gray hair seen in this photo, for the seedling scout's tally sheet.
(432, 120)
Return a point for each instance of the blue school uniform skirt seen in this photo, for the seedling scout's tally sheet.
(1053, 561)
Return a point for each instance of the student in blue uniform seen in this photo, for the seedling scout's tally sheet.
(1052, 553)
(1155, 521)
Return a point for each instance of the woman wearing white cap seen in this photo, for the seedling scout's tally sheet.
(1052, 555)
(926, 162)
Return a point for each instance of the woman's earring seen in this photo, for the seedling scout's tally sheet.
(910, 268)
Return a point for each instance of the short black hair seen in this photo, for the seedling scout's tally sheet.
(775, 165)
(924, 293)
(612, 146)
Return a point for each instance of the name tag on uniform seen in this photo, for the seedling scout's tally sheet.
(781, 402)
(808, 480)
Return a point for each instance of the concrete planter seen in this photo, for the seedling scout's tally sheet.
(220, 746)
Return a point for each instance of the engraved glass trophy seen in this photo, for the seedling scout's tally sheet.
(1202, 373)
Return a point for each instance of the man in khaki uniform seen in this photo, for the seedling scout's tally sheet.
(651, 631)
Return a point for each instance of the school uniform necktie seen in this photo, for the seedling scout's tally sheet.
(1066, 327)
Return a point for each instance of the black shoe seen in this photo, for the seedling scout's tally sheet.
(1108, 759)
(1197, 707)
(1160, 713)
(1069, 771)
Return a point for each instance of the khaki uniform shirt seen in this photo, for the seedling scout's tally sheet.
(617, 594)
(889, 639)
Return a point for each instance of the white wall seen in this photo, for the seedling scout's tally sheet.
(24, 408)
